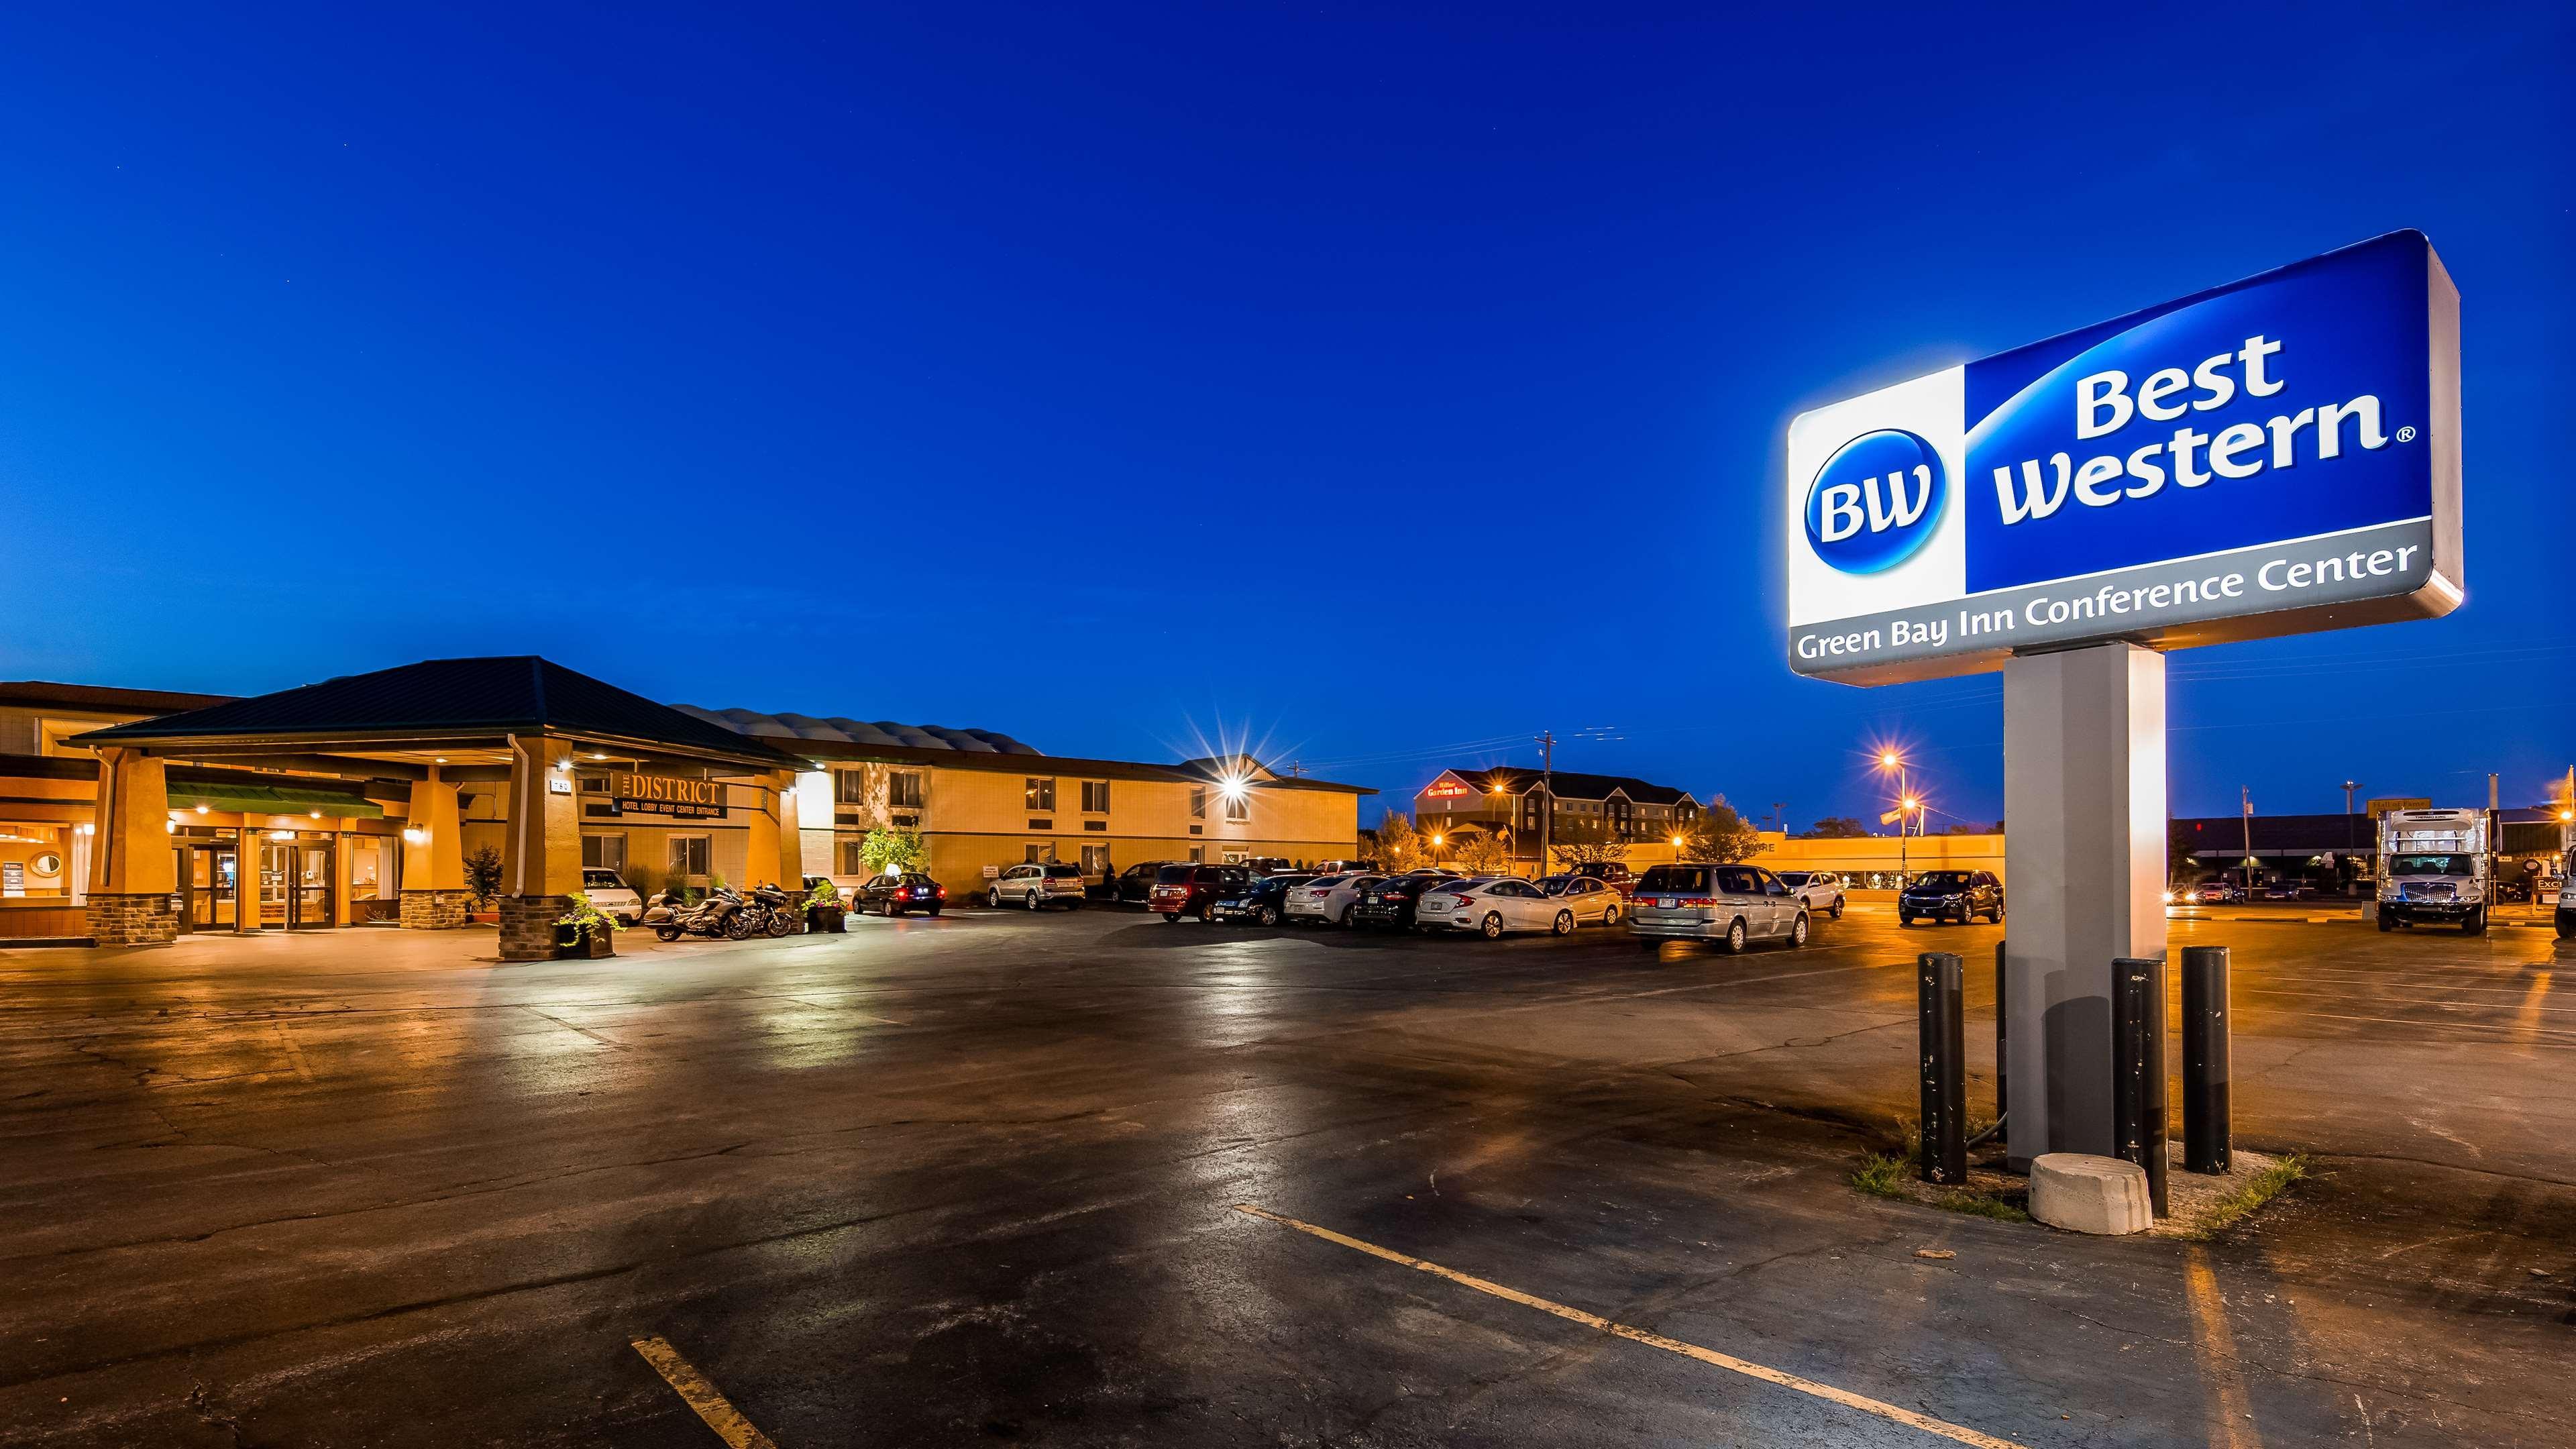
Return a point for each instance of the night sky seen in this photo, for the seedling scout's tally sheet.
(1378, 384)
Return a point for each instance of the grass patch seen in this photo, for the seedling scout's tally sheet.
(1979, 1206)
(1882, 1174)
(2266, 1185)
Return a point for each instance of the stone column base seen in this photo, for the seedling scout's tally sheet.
(132, 920)
(435, 910)
(528, 926)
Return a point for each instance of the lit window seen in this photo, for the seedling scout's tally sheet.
(1041, 796)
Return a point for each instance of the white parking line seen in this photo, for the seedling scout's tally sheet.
(1925, 1422)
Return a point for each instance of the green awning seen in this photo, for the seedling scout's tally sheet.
(272, 800)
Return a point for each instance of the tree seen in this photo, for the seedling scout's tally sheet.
(1722, 835)
(1590, 852)
(1836, 827)
(483, 876)
(1479, 853)
(1397, 842)
(891, 852)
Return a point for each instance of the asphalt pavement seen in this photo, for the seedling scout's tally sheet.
(1088, 1178)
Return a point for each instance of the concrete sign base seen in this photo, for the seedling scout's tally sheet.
(2085, 1194)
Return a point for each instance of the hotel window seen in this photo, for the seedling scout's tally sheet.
(903, 790)
(1198, 804)
(1095, 797)
(853, 862)
(1043, 854)
(849, 787)
(1238, 807)
(1198, 853)
(689, 855)
(605, 851)
(1095, 860)
(1041, 795)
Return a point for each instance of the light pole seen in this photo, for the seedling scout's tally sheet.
(1677, 850)
(1905, 804)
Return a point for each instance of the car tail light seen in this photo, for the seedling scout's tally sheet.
(943, 892)
(1699, 900)
(1463, 901)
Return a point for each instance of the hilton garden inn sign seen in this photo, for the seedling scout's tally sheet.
(2270, 457)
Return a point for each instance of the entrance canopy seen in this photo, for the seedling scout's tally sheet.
(437, 724)
(461, 713)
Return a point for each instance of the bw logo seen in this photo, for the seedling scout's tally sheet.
(1876, 501)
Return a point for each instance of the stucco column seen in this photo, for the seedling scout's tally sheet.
(762, 857)
(433, 869)
(541, 867)
(130, 876)
(791, 834)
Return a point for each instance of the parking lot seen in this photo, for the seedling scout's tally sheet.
(1086, 1178)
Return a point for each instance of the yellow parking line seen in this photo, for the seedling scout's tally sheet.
(702, 1396)
(2234, 1426)
(1710, 1356)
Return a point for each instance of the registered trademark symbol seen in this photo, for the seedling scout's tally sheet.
(2405, 435)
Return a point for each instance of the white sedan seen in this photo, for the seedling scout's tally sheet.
(1595, 902)
(1328, 897)
(1492, 906)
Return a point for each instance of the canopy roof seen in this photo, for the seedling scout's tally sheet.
(448, 700)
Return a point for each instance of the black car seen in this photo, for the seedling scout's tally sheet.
(895, 895)
(1135, 884)
(1261, 904)
(1951, 895)
(1389, 905)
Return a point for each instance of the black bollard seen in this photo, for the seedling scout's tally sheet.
(2003, 1058)
(2138, 1068)
(2206, 1129)
(1944, 1039)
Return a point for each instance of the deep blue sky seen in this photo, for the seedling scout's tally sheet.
(1373, 380)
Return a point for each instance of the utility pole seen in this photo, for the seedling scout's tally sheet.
(1547, 795)
(2347, 871)
(1780, 815)
(2245, 794)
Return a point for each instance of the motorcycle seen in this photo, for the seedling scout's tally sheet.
(719, 915)
(779, 913)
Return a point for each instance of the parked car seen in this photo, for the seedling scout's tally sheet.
(1733, 905)
(1345, 867)
(1820, 891)
(1188, 888)
(1951, 895)
(1612, 874)
(1132, 885)
(2215, 893)
(1037, 885)
(1328, 897)
(1594, 900)
(2290, 890)
(1389, 904)
(611, 895)
(895, 895)
(1490, 906)
(1264, 902)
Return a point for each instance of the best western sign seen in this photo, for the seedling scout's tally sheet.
(637, 793)
(2271, 457)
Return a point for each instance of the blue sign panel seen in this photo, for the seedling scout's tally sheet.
(2277, 455)
(2292, 404)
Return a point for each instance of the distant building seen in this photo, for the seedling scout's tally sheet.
(1511, 804)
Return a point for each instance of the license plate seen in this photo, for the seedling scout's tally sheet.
(1666, 902)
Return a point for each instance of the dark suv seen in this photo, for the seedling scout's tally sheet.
(1135, 885)
(1612, 874)
(1185, 888)
(1390, 904)
(1951, 895)
(1262, 902)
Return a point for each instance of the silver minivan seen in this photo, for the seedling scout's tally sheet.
(1732, 904)
(1037, 885)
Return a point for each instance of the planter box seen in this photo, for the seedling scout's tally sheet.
(572, 943)
(831, 920)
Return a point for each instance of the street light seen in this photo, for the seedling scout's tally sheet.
(1891, 760)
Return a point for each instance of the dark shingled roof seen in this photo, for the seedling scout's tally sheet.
(508, 694)
(1571, 785)
(102, 698)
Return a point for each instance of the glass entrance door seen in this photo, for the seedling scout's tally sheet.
(309, 895)
(206, 874)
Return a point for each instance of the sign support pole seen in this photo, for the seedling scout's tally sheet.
(2084, 862)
